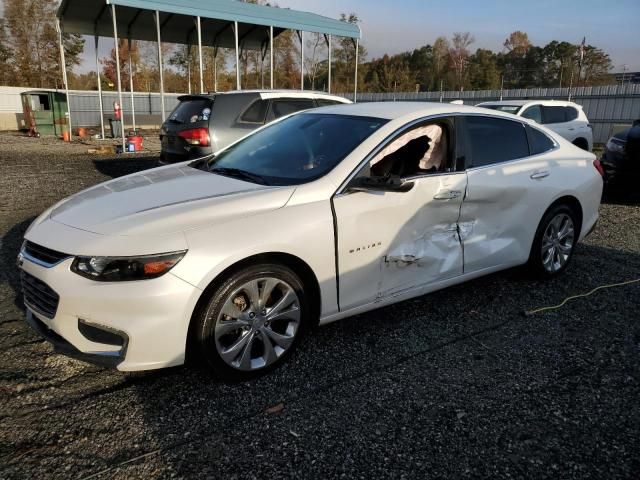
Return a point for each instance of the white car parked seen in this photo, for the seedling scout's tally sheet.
(318, 216)
(567, 119)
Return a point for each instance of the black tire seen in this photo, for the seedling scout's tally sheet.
(536, 264)
(207, 318)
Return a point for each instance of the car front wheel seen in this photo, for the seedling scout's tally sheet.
(252, 322)
(554, 242)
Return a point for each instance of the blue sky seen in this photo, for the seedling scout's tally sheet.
(395, 26)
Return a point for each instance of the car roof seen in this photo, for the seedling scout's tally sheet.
(267, 94)
(560, 103)
(395, 110)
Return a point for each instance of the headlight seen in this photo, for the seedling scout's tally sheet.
(122, 269)
(616, 146)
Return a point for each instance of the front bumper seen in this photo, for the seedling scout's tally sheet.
(151, 317)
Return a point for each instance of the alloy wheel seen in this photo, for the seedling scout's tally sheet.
(257, 323)
(557, 243)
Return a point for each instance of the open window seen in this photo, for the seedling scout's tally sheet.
(423, 150)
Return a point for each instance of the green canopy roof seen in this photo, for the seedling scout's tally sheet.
(135, 19)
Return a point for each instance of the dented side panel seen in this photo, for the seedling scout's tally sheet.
(427, 246)
(389, 242)
(501, 212)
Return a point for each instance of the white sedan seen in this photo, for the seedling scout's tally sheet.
(319, 216)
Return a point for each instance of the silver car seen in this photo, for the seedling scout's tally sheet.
(203, 124)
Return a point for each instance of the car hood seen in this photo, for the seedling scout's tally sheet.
(166, 200)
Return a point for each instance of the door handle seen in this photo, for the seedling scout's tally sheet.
(539, 175)
(447, 195)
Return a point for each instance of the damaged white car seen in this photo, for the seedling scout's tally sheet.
(319, 216)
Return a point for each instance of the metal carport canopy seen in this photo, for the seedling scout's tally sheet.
(92, 17)
(216, 23)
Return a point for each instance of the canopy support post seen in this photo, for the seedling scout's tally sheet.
(200, 54)
(157, 18)
(271, 54)
(235, 31)
(215, 68)
(133, 108)
(115, 39)
(188, 67)
(99, 88)
(355, 83)
(301, 36)
(64, 75)
(327, 38)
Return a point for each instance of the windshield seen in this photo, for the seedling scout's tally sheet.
(296, 150)
(504, 108)
(191, 111)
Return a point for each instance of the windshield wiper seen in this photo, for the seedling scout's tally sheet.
(241, 174)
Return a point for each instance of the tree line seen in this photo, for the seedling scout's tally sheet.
(29, 56)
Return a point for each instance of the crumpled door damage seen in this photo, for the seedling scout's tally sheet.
(432, 246)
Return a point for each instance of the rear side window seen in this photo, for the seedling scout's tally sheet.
(256, 112)
(533, 113)
(280, 108)
(554, 114)
(494, 140)
(538, 141)
(571, 113)
(191, 111)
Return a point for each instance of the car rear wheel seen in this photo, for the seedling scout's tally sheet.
(252, 322)
(554, 242)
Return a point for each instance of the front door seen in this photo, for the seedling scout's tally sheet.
(392, 241)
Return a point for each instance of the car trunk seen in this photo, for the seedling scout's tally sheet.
(193, 112)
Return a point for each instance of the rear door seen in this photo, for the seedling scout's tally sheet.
(192, 112)
(507, 192)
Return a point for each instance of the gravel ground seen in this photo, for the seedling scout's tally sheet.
(455, 384)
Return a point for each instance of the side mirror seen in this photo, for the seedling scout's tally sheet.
(379, 184)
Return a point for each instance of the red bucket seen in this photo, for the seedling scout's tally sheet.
(134, 143)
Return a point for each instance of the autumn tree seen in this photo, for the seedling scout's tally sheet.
(483, 70)
(316, 55)
(7, 72)
(459, 56)
(32, 40)
(345, 58)
(109, 69)
(517, 43)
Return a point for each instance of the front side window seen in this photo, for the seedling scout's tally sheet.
(494, 140)
(295, 150)
(533, 113)
(554, 114)
(420, 151)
